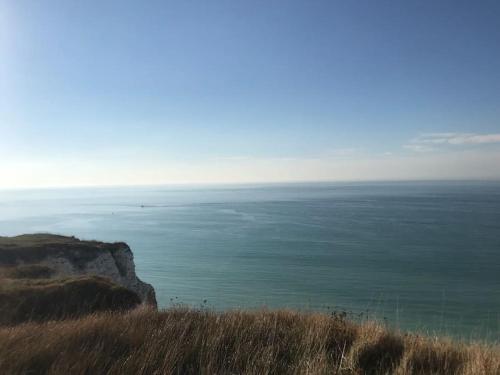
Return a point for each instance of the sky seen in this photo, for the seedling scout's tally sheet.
(163, 92)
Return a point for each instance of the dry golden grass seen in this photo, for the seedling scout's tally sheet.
(183, 341)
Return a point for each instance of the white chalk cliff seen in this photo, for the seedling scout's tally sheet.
(69, 256)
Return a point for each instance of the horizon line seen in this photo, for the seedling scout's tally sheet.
(246, 183)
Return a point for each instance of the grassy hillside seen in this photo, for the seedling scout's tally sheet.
(23, 300)
(182, 341)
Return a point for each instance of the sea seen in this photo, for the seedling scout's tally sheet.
(417, 256)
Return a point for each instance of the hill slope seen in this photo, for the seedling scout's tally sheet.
(42, 300)
(201, 342)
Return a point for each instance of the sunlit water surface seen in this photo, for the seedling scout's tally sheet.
(418, 255)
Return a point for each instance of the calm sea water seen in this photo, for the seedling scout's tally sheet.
(420, 255)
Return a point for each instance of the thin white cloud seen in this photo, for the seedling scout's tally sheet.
(415, 147)
(456, 139)
(475, 139)
(428, 142)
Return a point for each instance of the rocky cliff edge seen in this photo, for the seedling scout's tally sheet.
(69, 256)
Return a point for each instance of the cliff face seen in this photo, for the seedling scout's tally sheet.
(69, 256)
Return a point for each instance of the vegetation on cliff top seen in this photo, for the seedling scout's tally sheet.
(23, 300)
(33, 248)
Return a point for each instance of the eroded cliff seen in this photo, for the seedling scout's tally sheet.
(63, 256)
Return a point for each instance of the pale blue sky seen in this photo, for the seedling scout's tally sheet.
(131, 92)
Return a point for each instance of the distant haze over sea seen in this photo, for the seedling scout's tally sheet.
(423, 255)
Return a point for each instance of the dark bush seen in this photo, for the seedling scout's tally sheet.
(382, 356)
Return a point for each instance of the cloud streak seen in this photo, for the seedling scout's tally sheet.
(431, 141)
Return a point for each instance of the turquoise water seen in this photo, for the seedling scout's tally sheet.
(420, 255)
